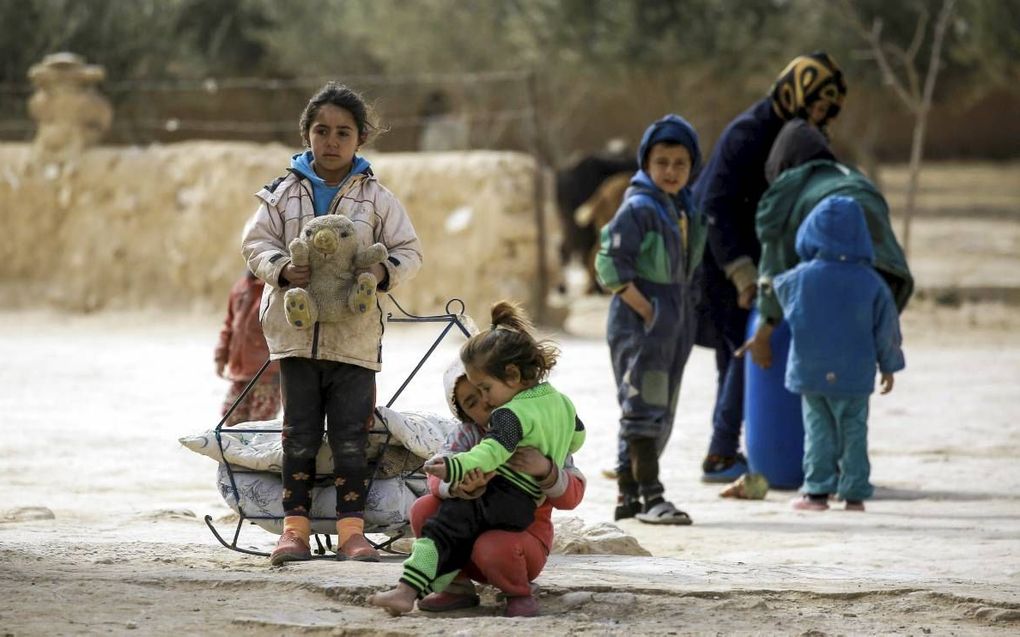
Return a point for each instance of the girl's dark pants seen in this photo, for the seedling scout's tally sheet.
(339, 398)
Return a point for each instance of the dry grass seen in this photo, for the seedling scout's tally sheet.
(950, 188)
(966, 232)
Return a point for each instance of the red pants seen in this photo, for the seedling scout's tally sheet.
(507, 560)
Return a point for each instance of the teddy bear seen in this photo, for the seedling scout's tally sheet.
(329, 244)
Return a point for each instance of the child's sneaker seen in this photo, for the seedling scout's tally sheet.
(855, 505)
(721, 469)
(811, 502)
(626, 507)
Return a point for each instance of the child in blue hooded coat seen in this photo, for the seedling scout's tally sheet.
(648, 252)
(843, 323)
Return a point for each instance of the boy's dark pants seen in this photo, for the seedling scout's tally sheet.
(648, 366)
(316, 392)
(454, 528)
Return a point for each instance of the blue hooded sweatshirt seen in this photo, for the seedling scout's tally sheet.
(841, 313)
(322, 194)
(643, 240)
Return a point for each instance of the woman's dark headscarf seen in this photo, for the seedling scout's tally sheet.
(798, 143)
(806, 79)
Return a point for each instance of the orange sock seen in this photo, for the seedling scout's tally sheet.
(347, 527)
(299, 524)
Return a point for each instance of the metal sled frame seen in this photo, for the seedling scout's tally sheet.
(450, 320)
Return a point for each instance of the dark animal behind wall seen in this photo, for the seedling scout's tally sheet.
(574, 186)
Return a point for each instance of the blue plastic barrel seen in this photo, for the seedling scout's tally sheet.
(774, 431)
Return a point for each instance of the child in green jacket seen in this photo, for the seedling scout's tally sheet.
(509, 367)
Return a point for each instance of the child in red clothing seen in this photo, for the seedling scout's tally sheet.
(240, 353)
(507, 560)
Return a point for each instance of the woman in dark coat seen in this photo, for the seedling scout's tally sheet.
(727, 192)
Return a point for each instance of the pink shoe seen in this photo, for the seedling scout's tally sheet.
(442, 602)
(856, 505)
(526, 606)
(291, 547)
(358, 549)
(807, 503)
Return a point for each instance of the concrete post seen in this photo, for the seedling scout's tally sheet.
(70, 113)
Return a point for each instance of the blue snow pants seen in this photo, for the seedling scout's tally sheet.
(648, 364)
(836, 446)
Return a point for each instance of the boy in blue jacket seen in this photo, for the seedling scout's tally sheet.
(648, 252)
(843, 323)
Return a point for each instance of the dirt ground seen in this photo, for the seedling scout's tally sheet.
(101, 510)
(93, 406)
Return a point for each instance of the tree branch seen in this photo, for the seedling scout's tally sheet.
(875, 39)
(913, 81)
(919, 31)
(941, 23)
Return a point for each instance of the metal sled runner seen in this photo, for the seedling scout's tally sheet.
(452, 318)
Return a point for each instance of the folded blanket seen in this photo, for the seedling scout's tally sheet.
(420, 433)
(387, 508)
(399, 442)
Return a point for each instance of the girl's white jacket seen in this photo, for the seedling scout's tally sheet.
(283, 211)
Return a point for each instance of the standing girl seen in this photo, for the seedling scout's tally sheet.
(327, 371)
(509, 367)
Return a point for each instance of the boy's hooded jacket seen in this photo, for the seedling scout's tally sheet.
(645, 239)
(840, 311)
(793, 195)
(285, 207)
(654, 242)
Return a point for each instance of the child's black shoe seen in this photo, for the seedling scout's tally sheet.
(626, 507)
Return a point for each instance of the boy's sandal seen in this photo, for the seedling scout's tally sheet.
(664, 513)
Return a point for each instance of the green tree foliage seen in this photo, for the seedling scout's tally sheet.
(621, 61)
(134, 39)
(197, 38)
(986, 41)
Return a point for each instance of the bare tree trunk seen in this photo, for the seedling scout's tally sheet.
(541, 289)
(917, 99)
(923, 108)
(914, 171)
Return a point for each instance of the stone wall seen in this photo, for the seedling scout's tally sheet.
(159, 227)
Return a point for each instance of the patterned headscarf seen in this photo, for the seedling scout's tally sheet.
(806, 79)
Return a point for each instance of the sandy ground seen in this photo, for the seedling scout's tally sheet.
(92, 407)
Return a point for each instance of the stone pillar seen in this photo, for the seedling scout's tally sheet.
(70, 112)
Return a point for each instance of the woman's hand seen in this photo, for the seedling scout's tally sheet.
(473, 484)
(297, 275)
(530, 461)
(760, 346)
(745, 298)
